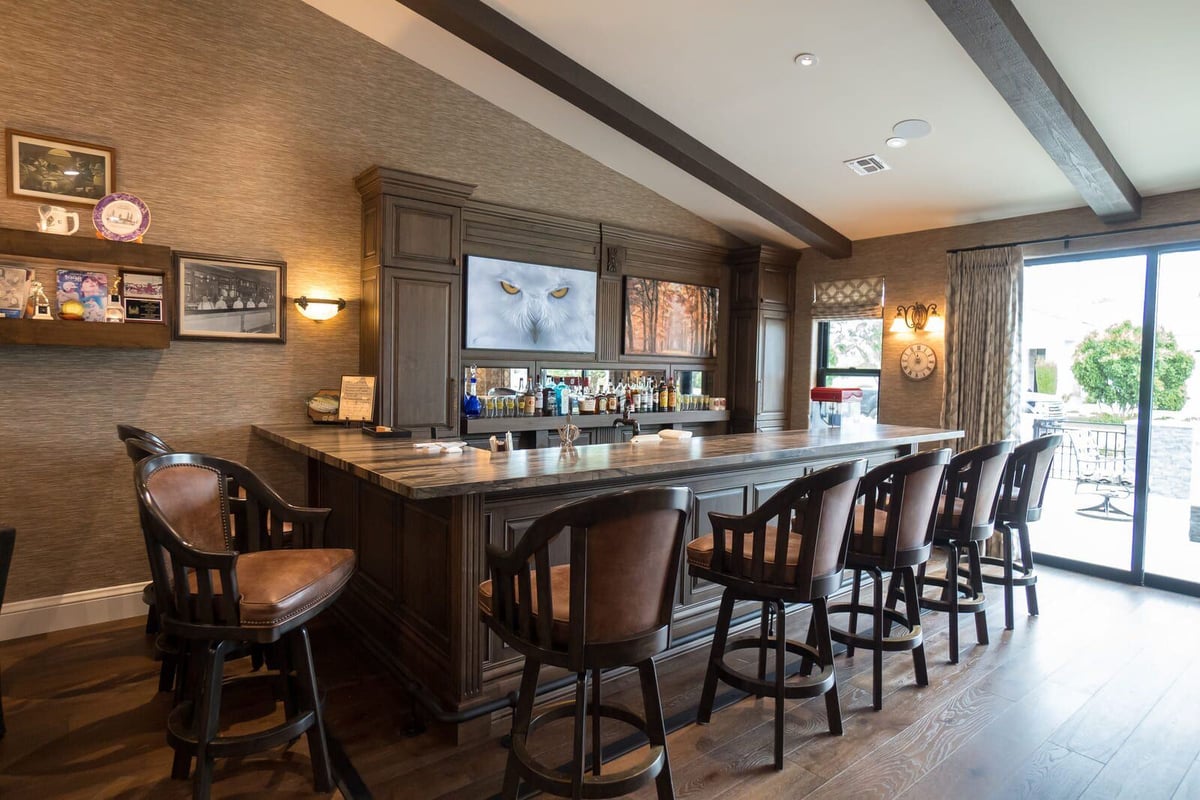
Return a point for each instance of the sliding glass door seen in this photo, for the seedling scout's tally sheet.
(1173, 501)
(1082, 337)
(1111, 343)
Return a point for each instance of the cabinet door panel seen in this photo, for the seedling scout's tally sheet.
(421, 323)
(773, 366)
(416, 231)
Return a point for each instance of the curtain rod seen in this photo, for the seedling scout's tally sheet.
(1066, 240)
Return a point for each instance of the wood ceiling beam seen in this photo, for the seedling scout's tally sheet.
(495, 34)
(997, 38)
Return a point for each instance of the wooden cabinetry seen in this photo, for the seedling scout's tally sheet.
(411, 322)
(47, 253)
(763, 304)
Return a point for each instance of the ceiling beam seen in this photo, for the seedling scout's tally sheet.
(495, 34)
(994, 34)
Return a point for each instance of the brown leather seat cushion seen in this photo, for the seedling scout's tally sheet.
(279, 585)
(560, 598)
(868, 545)
(700, 551)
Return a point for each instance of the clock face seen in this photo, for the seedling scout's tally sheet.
(918, 361)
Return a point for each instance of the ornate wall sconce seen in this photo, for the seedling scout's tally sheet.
(314, 308)
(918, 317)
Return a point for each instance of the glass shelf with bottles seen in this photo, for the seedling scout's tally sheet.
(509, 392)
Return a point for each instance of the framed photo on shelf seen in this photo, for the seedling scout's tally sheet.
(58, 170)
(142, 285)
(229, 299)
(139, 310)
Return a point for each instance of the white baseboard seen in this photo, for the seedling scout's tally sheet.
(45, 614)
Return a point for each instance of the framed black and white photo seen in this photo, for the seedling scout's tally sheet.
(230, 299)
(58, 170)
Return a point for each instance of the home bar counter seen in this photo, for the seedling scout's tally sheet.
(419, 521)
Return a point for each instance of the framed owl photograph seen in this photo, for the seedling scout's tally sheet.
(514, 305)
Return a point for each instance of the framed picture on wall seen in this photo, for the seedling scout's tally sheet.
(227, 298)
(670, 319)
(57, 170)
(514, 305)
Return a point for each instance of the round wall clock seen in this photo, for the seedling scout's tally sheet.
(918, 361)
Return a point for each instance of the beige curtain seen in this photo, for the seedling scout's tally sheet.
(983, 345)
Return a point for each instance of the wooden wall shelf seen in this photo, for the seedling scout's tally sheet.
(47, 252)
(76, 333)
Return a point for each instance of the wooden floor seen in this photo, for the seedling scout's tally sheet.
(1098, 698)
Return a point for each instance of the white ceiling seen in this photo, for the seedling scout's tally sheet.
(723, 72)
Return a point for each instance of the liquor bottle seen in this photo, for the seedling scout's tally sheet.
(549, 408)
(471, 405)
(574, 394)
(562, 400)
(672, 396)
(587, 400)
(663, 396)
(531, 398)
(539, 400)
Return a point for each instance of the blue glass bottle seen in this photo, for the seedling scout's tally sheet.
(471, 405)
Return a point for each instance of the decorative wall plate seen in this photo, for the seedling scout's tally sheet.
(121, 217)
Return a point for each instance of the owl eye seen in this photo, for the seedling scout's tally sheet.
(560, 292)
(508, 287)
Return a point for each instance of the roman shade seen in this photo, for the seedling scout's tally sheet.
(856, 298)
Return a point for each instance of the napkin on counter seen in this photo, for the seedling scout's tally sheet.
(670, 433)
(645, 438)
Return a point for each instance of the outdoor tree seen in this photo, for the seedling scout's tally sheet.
(1107, 365)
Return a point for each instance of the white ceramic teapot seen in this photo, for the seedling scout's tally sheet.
(56, 219)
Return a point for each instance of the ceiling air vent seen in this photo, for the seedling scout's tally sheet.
(866, 165)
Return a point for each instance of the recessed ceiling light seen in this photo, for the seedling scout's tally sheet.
(806, 59)
(912, 128)
(896, 142)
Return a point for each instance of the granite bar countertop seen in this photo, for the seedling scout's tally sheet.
(395, 465)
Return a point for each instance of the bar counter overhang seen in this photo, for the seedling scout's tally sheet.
(419, 521)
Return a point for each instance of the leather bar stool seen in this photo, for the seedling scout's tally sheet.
(892, 532)
(1021, 497)
(964, 523)
(167, 650)
(754, 562)
(153, 445)
(8, 537)
(609, 607)
(218, 600)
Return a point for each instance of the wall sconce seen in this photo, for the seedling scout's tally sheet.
(314, 308)
(918, 317)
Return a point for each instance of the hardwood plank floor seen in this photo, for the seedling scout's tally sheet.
(1097, 698)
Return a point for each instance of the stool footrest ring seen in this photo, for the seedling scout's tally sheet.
(909, 640)
(805, 686)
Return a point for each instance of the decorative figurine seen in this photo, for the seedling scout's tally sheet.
(115, 310)
(567, 435)
(41, 303)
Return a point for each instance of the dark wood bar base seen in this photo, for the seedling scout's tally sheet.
(419, 523)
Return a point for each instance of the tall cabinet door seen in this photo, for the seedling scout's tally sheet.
(420, 325)
(774, 333)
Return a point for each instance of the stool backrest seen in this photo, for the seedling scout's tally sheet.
(1026, 478)
(624, 555)
(821, 505)
(901, 496)
(183, 501)
(125, 432)
(975, 477)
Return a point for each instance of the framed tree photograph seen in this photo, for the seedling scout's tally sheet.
(57, 170)
(670, 319)
(230, 299)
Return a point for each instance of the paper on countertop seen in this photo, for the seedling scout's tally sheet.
(645, 438)
(446, 447)
(670, 433)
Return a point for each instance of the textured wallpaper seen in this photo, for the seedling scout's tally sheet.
(242, 126)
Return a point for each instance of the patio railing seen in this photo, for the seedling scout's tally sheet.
(1108, 439)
